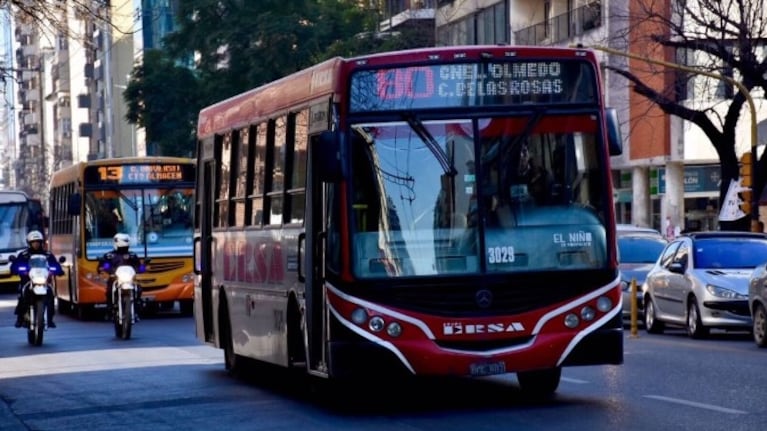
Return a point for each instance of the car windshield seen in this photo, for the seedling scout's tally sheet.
(639, 249)
(730, 253)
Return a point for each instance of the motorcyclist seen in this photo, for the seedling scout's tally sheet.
(35, 246)
(112, 259)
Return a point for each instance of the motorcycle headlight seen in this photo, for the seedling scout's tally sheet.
(38, 275)
(125, 274)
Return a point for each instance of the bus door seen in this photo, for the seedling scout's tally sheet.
(205, 244)
(310, 260)
(319, 204)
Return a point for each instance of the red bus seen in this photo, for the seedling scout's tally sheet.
(441, 211)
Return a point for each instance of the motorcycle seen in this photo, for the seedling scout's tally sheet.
(126, 295)
(36, 292)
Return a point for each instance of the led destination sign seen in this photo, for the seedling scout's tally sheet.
(139, 174)
(473, 84)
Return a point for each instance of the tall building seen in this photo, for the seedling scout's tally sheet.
(32, 54)
(71, 73)
(7, 97)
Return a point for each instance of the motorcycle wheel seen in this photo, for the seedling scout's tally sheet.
(124, 326)
(36, 327)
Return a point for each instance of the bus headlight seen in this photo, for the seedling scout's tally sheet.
(588, 313)
(359, 316)
(604, 304)
(394, 329)
(571, 320)
(376, 324)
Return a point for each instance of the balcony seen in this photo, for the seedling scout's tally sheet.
(419, 13)
(561, 27)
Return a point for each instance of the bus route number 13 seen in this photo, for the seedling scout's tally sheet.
(110, 173)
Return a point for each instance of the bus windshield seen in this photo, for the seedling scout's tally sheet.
(158, 220)
(464, 196)
(14, 219)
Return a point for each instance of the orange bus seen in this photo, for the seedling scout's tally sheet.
(149, 198)
(441, 211)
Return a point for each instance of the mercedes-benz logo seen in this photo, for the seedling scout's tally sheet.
(483, 298)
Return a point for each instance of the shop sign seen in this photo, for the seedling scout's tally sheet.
(702, 178)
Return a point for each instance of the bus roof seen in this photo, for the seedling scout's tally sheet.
(13, 196)
(322, 80)
(292, 90)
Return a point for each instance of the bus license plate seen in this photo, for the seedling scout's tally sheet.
(487, 368)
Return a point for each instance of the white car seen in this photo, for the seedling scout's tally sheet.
(701, 282)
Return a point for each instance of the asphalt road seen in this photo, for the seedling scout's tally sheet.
(164, 379)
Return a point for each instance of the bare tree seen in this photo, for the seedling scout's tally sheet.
(724, 37)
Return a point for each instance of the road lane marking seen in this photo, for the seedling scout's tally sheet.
(571, 380)
(698, 405)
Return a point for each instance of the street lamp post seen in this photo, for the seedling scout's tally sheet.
(743, 90)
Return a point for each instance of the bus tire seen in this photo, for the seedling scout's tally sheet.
(232, 361)
(540, 383)
(64, 307)
(296, 347)
(186, 306)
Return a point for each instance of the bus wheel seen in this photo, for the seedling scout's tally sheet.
(186, 306)
(540, 383)
(80, 311)
(232, 361)
(65, 307)
(296, 349)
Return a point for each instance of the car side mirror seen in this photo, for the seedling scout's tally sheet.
(676, 267)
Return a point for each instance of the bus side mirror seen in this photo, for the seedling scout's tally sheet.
(73, 206)
(614, 138)
(327, 157)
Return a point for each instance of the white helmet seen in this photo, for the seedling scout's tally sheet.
(34, 235)
(121, 240)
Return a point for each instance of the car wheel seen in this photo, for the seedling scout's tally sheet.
(651, 322)
(760, 325)
(695, 328)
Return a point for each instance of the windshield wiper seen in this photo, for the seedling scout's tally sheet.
(431, 144)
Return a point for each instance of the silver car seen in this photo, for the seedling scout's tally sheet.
(701, 282)
(757, 301)
(638, 250)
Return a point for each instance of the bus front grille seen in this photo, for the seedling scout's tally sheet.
(155, 267)
(505, 297)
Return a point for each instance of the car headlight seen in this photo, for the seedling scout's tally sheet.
(625, 285)
(721, 292)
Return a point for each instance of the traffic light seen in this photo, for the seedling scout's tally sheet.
(746, 163)
(746, 181)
